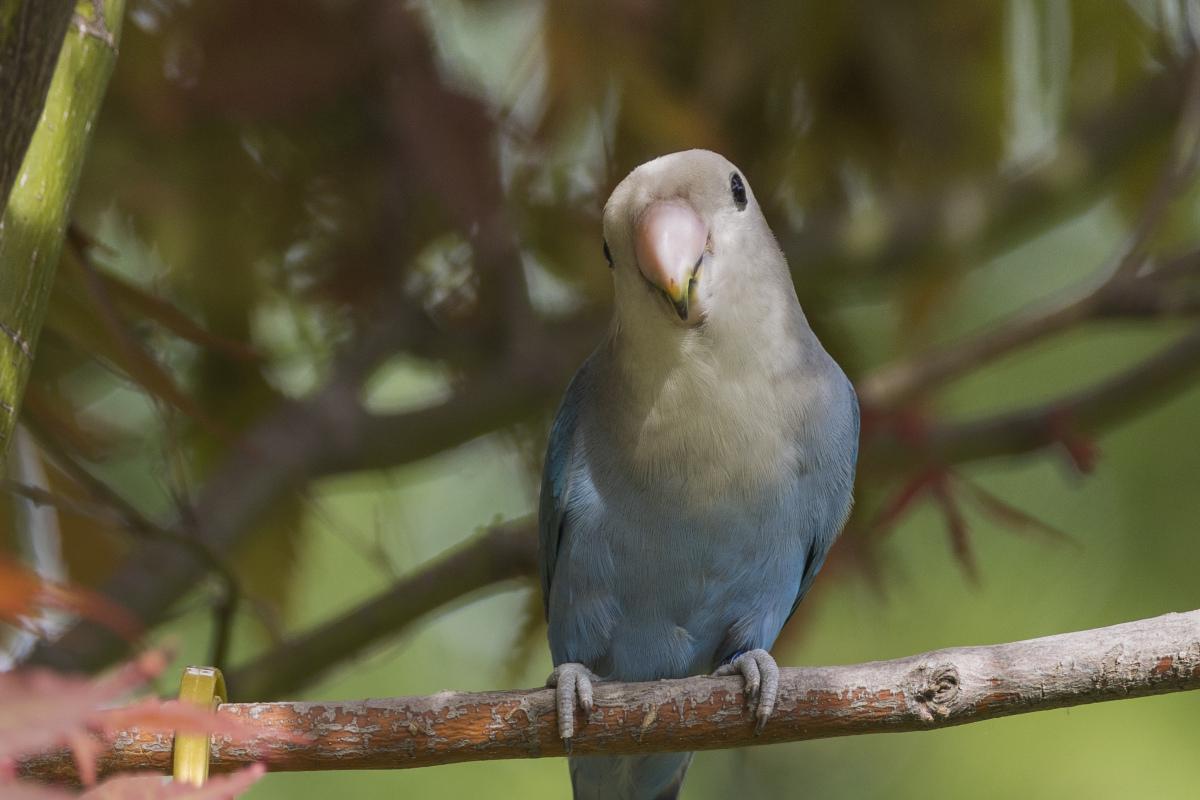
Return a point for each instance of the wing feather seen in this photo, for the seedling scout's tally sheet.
(556, 482)
(821, 541)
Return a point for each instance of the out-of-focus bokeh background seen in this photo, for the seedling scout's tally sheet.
(334, 261)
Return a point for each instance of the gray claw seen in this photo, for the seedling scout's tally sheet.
(574, 684)
(762, 682)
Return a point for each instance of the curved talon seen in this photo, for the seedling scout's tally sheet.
(761, 674)
(574, 684)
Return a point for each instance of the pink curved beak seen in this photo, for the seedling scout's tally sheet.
(669, 244)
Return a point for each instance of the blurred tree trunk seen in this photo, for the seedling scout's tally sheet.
(35, 216)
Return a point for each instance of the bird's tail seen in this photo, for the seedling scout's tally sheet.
(656, 776)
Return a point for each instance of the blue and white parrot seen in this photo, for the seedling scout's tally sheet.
(700, 466)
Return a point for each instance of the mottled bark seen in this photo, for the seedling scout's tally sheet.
(922, 692)
(35, 217)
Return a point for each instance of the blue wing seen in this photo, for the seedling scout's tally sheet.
(555, 484)
(820, 541)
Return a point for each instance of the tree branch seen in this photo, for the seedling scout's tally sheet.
(933, 690)
(1120, 293)
(1080, 414)
(328, 433)
(501, 554)
(1012, 209)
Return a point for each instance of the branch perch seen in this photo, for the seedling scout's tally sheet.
(923, 692)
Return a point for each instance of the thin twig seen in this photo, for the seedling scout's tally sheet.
(900, 381)
(1178, 171)
(42, 497)
(224, 613)
(126, 516)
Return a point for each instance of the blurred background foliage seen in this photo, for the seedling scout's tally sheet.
(334, 261)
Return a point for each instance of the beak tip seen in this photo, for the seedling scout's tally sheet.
(669, 244)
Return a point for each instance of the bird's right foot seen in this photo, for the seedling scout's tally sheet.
(574, 685)
(761, 674)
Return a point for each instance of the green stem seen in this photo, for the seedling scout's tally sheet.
(35, 218)
(31, 37)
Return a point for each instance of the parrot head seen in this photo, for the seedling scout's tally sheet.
(680, 232)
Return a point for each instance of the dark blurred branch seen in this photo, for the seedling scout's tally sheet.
(1081, 414)
(896, 383)
(119, 510)
(501, 554)
(328, 433)
(1178, 172)
(1151, 295)
(940, 689)
(528, 379)
(1011, 208)
(109, 506)
(1122, 293)
(42, 497)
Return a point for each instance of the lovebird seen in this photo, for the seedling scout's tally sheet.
(699, 468)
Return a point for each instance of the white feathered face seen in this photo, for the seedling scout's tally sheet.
(672, 232)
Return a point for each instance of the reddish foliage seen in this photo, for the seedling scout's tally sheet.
(40, 709)
(173, 715)
(910, 427)
(1009, 516)
(1083, 452)
(1080, 448)
(956, 526)
(904, 500)
(23, 592)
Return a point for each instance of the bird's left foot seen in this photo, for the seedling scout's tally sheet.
(762, 682)
(573, 685)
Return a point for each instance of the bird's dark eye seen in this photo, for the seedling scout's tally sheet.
(608, 256)
(739, 191)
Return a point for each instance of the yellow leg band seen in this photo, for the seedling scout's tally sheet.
(203, 687)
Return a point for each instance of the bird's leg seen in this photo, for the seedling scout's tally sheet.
(762, 681)
(574, 684)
